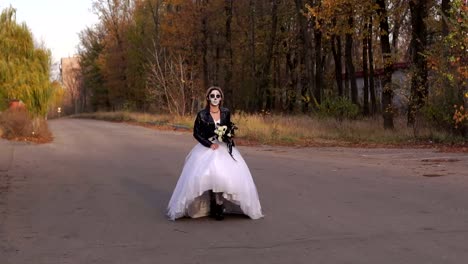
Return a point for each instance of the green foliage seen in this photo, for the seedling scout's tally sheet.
(118, 55)
(3, 101)
(339, 108)
(439, 115)
(446, 116)
(24, 69)
(91, 46)
(447, 60)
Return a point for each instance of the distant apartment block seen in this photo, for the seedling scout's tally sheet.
(69, 70)
(70, 79)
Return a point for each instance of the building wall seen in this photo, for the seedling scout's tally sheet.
(71, 82)
(401, 92)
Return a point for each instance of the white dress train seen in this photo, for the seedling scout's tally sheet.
(206, 169)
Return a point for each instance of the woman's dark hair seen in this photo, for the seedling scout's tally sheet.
(207, 96)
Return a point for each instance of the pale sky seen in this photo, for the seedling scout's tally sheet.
(54, 22)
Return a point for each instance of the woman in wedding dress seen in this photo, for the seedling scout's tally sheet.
(215, 179)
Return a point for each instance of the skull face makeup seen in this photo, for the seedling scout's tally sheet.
(215, 97)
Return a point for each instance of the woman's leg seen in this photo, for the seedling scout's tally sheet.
(216, 205)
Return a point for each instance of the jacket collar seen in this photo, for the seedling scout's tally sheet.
(223, 113)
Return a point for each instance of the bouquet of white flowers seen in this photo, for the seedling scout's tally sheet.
(226, 134)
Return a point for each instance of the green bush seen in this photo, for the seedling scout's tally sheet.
(339, 108)
(442, 116)
(24, 68)
(439, 115)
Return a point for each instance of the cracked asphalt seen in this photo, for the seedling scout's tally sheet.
(98, 194)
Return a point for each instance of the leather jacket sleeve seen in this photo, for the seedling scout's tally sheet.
(198, 132)
(228, 122)
(228, 118)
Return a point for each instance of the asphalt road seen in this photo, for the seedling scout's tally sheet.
(98, 194)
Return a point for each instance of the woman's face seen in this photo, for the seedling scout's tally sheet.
(215, 97)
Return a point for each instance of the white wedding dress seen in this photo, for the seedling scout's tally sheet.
(206, 169)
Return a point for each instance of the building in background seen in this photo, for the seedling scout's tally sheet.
(70, 78)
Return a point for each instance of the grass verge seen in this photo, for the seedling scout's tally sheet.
(302, 131)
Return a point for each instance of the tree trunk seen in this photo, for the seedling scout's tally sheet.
(304, 43)
(155, 10)
(277, 84)
(450, 91)
(267, 67)
(253, 59)
(217, 61)
(349, 63)
(399, 18)
(347, 83)
(371, 67)
(419, 90)
(336, 50)
(387, 92)
(205, 47)
(291, 72)
(445, 7)
(365, 75)
(318, 66)
(228, 63)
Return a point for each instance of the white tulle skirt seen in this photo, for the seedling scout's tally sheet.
(206, 169)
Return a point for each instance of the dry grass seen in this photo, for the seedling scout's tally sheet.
(300, 130)
(144, 118)
(309, 130)
(19, 126)
(16, 123)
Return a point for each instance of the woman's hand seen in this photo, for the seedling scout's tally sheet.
(214, 146)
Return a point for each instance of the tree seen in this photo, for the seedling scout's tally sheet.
(319, 65)
(265, 73)
(387, 92)
(90, 53)
(267, 55)
(365, 70)
(228, 62)
(115, 16)
(168, 81)
(447, 102)
(349, 59)
(419, 87)
(24, 68)
(336, 50)
(371, 66)
(305, 66)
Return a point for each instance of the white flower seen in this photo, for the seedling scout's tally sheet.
(219, 131)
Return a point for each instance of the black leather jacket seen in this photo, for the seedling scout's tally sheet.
(204, 126)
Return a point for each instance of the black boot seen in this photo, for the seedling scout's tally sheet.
(213, 205)
(216, 210)
(219, 215)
